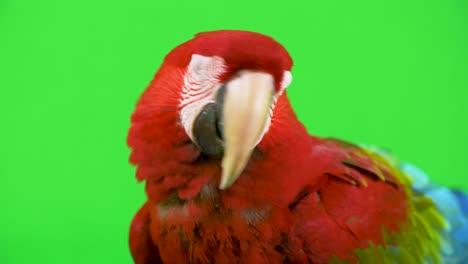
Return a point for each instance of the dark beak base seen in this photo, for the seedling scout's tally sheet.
(208, 127)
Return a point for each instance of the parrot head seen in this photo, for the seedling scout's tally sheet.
(224, 86)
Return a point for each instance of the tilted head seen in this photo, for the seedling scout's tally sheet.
(225, 84)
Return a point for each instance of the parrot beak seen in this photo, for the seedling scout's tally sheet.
(246, 104)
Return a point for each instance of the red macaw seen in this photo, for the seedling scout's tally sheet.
(232, 176)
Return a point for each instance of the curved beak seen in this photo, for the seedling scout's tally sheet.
(246, 106)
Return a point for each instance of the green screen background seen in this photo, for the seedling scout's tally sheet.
(390, 73)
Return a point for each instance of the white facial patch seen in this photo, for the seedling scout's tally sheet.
(200, 85)
(287, 79)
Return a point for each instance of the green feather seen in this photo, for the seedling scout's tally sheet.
(420, 237)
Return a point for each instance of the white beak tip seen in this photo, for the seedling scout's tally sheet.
(223, 186)
(226, 182)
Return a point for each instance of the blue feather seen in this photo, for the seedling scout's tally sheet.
(463, 200)
(453, 205)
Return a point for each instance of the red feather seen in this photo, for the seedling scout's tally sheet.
(301, 199)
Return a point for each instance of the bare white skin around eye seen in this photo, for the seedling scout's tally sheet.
(200, 84)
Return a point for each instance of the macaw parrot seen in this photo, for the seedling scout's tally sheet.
(232, 176)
